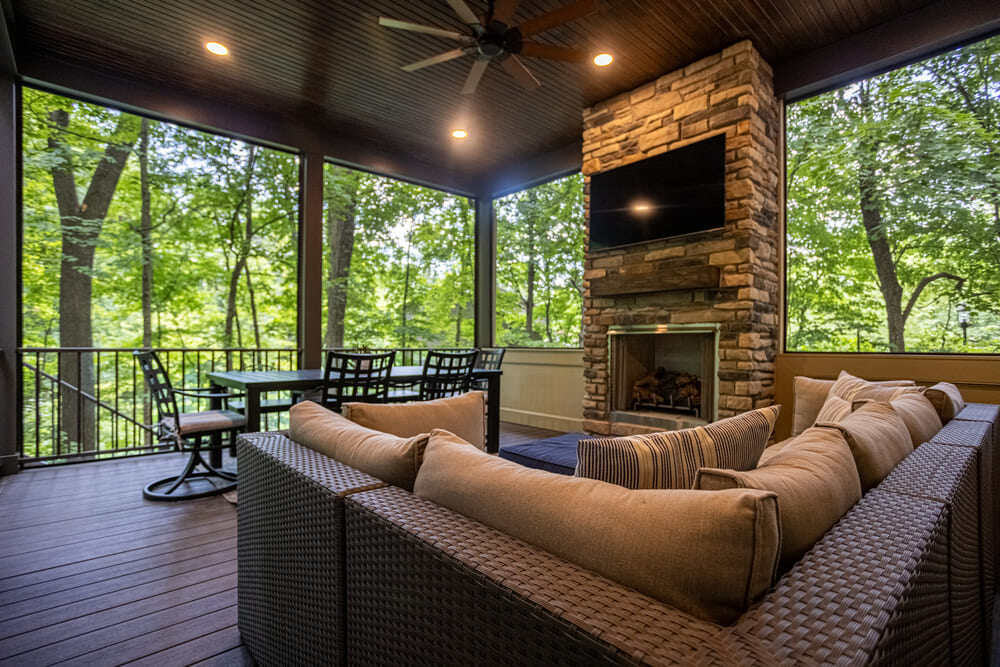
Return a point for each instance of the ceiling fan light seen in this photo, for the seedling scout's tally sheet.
(215, 48)
(459, 133)
(603, 59)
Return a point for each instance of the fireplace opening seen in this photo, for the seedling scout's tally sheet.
(660, 372)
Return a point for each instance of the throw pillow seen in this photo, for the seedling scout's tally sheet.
(710, 554)
(463, 415)
(814, 478)
(946, 399)
(918, 414)
(851, 388)
(810, 395)
(670, 460)
(390, 458)
(834, 410)
(878, 439)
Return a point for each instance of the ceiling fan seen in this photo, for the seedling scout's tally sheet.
(492, 38)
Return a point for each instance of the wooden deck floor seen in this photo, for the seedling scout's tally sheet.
(93, 574)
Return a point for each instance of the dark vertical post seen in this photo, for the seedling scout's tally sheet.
(9, 283)
(486, 256)
(311, 261)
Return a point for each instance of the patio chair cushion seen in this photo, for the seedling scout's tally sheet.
(816, 482)
(209, 421)
(878, 438)
(710, 554)
(946, 399)
(388, 457)
(919, 416)
(670, 460)
(463, 415)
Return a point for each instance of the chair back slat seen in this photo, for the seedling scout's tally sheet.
(355, 376)
(490, 358)
(158, 383)
(446, 374)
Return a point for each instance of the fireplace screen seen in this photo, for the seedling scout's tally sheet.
(661, 369)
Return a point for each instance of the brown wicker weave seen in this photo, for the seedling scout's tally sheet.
(951, 475)
(290, 550)
(429, 586)
(873, 590)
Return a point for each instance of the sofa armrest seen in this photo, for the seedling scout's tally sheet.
(290, 550)
(873, 590)
(463, 593)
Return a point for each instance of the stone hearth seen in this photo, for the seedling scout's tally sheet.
(736, 268)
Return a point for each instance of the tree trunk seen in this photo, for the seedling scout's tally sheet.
(871, 218)
(340, 230)
(231, 315)
(406, 287)
(146, 244)
(81, 225)
(248, 239)
(242, 247)
(529, 301)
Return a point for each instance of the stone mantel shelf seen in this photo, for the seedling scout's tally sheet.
(657, 277)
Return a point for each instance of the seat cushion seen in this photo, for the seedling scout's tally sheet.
(388, 457)
(710, 554)
(946, 399)
(815, 479)
(556, 454)
(878, 438)
(464, 415)
(208, 421)
(670, 460)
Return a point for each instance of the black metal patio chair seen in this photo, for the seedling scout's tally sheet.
(446, 374)
(490, 359)
(185, 432)
(356, 376)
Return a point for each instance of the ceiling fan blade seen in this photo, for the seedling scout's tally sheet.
(504, 9)
(536, 50)
(475, 74)
(564, 14)
(426, 29)
(434, 60)
(513, 66)
(463, 11)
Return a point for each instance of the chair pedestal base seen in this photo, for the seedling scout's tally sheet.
(190, 484)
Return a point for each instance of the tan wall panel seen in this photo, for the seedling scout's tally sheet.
(977, 377)
(543, 388)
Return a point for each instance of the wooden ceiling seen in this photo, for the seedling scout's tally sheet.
(329, 61)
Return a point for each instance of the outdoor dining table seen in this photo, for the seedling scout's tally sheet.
(255, 383)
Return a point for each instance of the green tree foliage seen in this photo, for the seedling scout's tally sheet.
(894, 209)
(540, 246)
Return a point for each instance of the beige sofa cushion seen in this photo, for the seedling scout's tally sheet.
(815, 479)
(834, 409)
(707, 553)
(670, 460)
(463, 415)
(946, 399)
(390, 458)
(878, 438)
(810, 395)
(918, 414)
(851, 388)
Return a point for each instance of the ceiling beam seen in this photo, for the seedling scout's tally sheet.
(533, 171)
(919, 34)
(304, 132)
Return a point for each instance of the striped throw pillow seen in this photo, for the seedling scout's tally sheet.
(670, 460)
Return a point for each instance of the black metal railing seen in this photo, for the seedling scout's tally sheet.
(82, 404)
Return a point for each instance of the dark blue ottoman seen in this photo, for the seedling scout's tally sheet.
(556, 454)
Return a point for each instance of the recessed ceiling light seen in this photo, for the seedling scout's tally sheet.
(603, 59)
(217, 49)
(459, 133)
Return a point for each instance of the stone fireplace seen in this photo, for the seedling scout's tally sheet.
(705, 304)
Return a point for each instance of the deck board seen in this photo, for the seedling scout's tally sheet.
(92, 573)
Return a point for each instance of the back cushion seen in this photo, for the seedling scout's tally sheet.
(919, 415)
(834, 409)
(852, 388)
(810, 395)
(390, 458)
(670, 460)
(816, 482)
(708, 554)
(946, 399)
(463, 415)
(878, 439)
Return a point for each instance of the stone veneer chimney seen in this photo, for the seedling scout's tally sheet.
(727, 93)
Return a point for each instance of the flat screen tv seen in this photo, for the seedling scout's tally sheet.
(679, 192)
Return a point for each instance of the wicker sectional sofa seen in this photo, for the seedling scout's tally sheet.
(336, 567)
